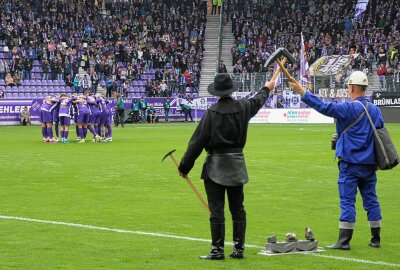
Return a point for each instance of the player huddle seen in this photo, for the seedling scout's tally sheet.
(89, 112)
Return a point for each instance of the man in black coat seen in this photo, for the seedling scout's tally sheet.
(222, 132)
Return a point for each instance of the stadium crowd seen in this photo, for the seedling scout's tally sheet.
(156, 45)
(328, 28)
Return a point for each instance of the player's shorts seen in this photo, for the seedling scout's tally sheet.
(65, 120)
(56, 118)
(94, 118)
(45, 117)
(105, 118)
(83, 118)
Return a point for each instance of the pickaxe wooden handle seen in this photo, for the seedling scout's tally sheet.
(281, 65)
(189, 182)
(278, 70)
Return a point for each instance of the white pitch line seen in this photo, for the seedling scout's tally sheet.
(356, 260)
(115, 230)
(185, 238)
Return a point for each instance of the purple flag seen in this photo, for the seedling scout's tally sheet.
(303, 64)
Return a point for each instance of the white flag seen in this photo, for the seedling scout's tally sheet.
(360, 8)
(278, 80)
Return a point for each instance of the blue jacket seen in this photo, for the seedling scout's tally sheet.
(356, 145)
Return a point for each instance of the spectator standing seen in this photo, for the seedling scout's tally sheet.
(166, 107)
(389, 77)
(109, 86)
(143, 109)
(381, 72)
(3, 69)
(28, 69)
(76, 83)
(222, 67)
(135, 111)
(46, 70)
(95, 82)
(120, 106)
(214, 7)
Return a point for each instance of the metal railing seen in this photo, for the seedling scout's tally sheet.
(220, 37)
(254, 81)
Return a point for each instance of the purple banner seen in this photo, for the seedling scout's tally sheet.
(10, 109)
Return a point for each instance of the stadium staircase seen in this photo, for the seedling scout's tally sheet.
(227, 42)
(209, 64)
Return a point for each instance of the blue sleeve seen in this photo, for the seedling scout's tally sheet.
(331, 109)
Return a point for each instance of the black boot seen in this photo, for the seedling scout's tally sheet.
(345, 236)
(376, 237)
(239, 232)
(217, 244)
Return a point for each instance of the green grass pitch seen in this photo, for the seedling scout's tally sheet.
(123, 185)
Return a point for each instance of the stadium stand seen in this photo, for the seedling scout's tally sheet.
(328, 27)
(50, 44)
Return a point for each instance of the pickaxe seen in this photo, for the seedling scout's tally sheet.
(280, 52)
(170, 154)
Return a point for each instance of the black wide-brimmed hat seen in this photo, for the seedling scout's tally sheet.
(223, 85)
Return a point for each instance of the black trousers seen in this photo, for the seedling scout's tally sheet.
(121, 116)
(216, 201)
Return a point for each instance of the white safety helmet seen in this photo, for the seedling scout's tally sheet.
(358, 78)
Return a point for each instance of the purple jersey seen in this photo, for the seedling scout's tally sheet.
(65, 106)
(82, 107)
(103, 104)
(93, 106)
(48, 105)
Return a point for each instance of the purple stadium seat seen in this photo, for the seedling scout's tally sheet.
(36, 63)
(131, 95)
(2, 82)
(8, 95)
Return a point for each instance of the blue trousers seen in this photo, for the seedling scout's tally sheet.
(363, 177)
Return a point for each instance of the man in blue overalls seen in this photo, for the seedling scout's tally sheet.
(355, 151)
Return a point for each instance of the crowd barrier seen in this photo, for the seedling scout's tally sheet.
(279, 108)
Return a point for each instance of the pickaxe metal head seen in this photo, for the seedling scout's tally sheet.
(280, 52)
(168, 154)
